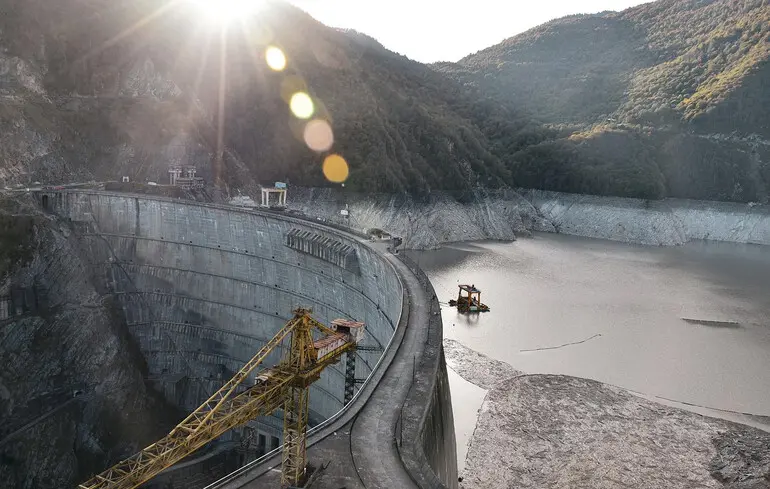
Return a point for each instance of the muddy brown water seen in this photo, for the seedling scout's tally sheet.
(689, 323)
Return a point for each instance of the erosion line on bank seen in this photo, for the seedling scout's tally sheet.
(565, 344)
(742, 413)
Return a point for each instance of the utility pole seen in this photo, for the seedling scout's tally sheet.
(345, 211)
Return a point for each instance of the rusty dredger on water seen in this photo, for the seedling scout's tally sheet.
(469, 300)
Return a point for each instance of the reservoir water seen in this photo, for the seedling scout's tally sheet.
(689, 323)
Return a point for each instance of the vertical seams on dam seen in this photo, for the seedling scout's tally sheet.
(203, 287)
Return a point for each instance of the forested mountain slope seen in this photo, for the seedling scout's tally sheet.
(101, 89)
(671, 97)
(666, 99)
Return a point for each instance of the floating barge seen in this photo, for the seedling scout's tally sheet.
(469, 300)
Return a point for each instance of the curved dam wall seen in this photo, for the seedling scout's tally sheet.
(664, 222)
(425, 434)
(203, 287)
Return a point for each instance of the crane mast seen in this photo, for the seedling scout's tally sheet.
(282, 386)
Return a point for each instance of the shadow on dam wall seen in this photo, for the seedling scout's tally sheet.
(203, 287)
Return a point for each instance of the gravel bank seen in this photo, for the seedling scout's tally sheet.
(537, 431)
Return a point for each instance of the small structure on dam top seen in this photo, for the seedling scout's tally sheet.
(189, 181)
(279, 190)
(471, 301)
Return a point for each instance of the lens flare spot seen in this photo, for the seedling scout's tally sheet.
(335, 168)
(301, 105)
(275, 58)
(318, 135)
(291, 84)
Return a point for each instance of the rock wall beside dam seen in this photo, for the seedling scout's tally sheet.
(426, 223)
(203, 287)
(72, 390)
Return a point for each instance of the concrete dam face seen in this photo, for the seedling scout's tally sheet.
(203, 287)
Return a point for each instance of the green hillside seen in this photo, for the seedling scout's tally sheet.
(668, 61)
(666, 99)
(670, 98)
(104, 93)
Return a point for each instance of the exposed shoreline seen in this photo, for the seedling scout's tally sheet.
(486, 373)
(507, 214)
(562, 431)
(664, 223)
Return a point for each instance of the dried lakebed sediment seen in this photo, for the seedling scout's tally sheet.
(559, 431)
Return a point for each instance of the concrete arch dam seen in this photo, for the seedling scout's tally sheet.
(202, 287)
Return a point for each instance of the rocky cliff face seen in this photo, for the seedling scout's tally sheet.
(506, 215)
(72, 395)
(428, 222)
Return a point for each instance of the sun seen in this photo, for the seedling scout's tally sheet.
(226, 11)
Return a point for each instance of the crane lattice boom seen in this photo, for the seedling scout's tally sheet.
(282, 386)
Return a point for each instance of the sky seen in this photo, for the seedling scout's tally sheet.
(436, 30)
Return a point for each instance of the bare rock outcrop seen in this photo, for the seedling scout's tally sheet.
(72, 394)
(426, 223)
(559, 431)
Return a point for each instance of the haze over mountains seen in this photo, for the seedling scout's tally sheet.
(666, 99)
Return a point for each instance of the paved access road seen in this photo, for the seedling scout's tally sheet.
(372, 438)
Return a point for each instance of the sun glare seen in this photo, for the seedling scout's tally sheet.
(225, 11)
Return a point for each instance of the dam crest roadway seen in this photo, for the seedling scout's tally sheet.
(203, 286)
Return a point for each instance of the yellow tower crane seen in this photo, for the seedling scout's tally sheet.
(283, 386)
